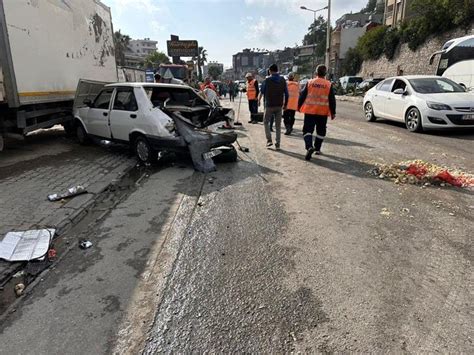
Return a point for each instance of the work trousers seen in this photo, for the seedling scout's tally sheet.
(311, 121)
(289, 119)
(269, 112)
(253, 106)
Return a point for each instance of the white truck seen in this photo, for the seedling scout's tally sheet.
(46, 46)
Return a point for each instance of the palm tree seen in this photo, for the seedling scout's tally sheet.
(122, 43)
(201, 59)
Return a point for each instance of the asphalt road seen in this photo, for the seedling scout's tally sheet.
(272, 254)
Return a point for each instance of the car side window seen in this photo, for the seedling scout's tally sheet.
(102, 101)
(125, 100)
(386, 85)
(399, 84)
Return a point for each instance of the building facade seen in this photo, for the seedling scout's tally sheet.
(143, 47)
(247, 61)
(396, 11)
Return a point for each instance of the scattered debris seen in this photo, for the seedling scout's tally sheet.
(422, 173)
(71, 192)
(52, 254)
(26, 245)
(385, 212)
(19, 289)
(85, 244)
(19, 274)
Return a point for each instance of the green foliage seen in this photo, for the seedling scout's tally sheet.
(369, 45)
(153, 60)
(370, 7)
(122, 43)
(215, 71)
(391, 42)
(353, 62)
(317, 35)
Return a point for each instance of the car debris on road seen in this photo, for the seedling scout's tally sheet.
(419, 172)
(71, 192)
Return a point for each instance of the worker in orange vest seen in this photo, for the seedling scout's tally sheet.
(317, 101)
(292, 107)
(252, 95)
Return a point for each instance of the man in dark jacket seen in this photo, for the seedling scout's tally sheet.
(275, 93)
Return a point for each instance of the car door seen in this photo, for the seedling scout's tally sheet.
(124, 113)
(380, 96)
(98, 115)
(396, 103)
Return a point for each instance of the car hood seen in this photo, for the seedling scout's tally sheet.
(453, 99)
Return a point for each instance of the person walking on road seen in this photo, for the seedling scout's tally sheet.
(252, 95)
(231, 91)
(317, 101)
(208, 85)
(292, 107)
(275, 94)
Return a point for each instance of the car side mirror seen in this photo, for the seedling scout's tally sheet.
(400, 92)
(463, 86)
(87, 102)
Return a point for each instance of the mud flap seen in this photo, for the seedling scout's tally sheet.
(200, 142)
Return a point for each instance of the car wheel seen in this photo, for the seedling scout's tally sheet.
(227, 156)
(369, 112)
(82, 135)
(145, 153)
(413, 120)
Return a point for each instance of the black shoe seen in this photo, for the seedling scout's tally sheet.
(309, 153)
(277, 146)
(251, 121)
(271, 130)
(317, 152)
(269, 144)
(287, 133)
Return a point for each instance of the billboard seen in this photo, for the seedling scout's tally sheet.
(182, 48)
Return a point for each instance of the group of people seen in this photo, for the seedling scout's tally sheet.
(222, 90)
(283, 98)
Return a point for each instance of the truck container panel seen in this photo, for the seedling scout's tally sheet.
(54, 43)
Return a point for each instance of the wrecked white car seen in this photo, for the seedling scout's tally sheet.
(154, 118)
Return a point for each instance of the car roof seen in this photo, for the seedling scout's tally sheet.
(158, 85)
(410, 77)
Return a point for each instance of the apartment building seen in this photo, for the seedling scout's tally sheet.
(396, 11)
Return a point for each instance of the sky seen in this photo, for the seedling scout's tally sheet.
(223, 27)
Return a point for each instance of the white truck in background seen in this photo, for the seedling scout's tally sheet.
(46, 46)
(131, 75)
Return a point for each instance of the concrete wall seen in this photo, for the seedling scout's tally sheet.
(410, 62)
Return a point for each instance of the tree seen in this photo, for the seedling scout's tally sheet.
(317, 35)
(352, 63)
(215, 71)
(370, 45)
(370, 7)
(201, 59)
(122, 43)
(153, 60)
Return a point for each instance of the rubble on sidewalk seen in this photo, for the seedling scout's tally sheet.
(26, 245)
(419, 172)
(71, 192)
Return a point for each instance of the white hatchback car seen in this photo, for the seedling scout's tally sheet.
(422, 102)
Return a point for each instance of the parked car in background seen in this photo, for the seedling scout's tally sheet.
(348, 82)
(430, 102)
(154, 118)
(368, 84)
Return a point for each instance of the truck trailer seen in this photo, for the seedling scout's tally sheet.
(46, 46)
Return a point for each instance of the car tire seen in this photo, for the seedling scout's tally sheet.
(369, 112)
(69, 129)
(227, 156)
(413, 120)
(82, 135)
(145, 153)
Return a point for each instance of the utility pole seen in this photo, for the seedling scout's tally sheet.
(328, 38)
(314, 29)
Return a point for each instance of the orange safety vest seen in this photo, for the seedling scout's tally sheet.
(317, 100)
(293, 93)
(251, 91)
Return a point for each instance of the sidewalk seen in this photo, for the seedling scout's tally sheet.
(51, 164)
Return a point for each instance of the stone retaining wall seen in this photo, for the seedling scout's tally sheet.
(410, 62)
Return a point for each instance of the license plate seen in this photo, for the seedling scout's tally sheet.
(211, 154)
(468, 117)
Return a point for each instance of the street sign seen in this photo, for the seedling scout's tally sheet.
(182, 48)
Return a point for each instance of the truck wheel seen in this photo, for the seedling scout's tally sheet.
(145, 153)
(82, 135)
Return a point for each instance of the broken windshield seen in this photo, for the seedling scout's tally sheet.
(177, 96)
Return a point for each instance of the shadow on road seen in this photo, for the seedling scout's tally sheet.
(336, 141)
(456, 133)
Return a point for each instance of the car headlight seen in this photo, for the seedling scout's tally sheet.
(437, 106)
